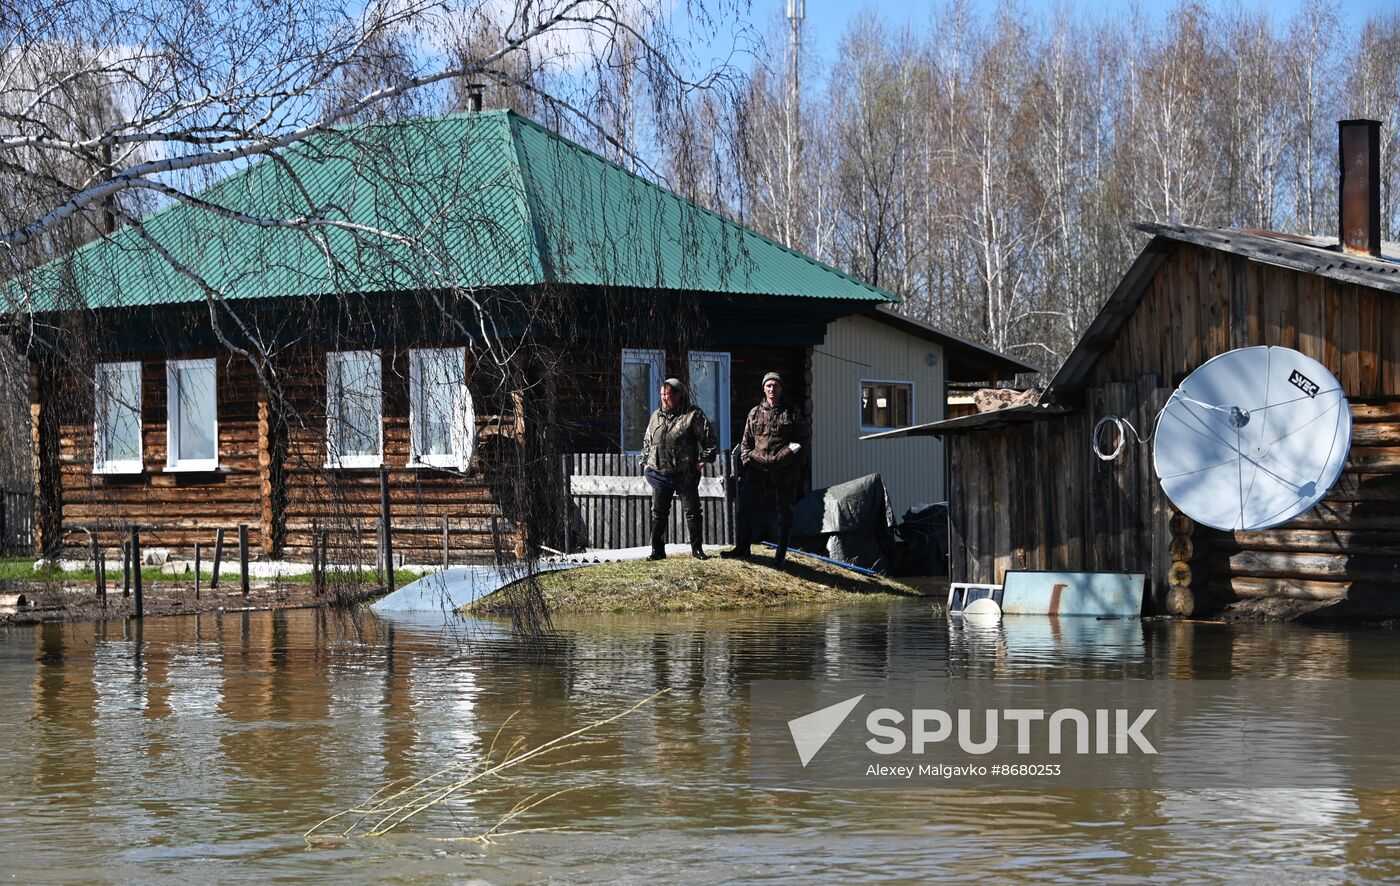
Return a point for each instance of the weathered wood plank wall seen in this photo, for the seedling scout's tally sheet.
(1036, 497)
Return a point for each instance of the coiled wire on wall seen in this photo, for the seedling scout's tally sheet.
(1123, 426)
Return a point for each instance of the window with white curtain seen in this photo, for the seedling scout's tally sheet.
(709, 389)
(642, 374)
(441, 420)
(354, 409)
(116, 437)
(192, 415)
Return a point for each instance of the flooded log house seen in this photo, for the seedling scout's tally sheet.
(1027, 491)
(453, 304)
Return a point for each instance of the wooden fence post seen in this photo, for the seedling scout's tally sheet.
(243, 556)
(568, 474)
(446, 548)
(99, 586)
(126, 567)
(359, 554)
(218, 558)
(136, 568)
(388, 542)
(198, 550)
(496, 539)
(315, 559)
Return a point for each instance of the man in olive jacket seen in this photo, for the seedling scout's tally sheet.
(776, 445)
(679, 442)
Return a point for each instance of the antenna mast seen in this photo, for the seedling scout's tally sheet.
(796, 12)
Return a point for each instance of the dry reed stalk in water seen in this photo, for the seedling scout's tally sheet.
(392, 810)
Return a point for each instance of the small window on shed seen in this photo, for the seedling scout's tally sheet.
(442, 426)
(886, 404)
(117, 419)
(192, 415)
(354, 410)
(642, 374)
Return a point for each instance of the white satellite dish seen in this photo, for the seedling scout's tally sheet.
(1252, 438)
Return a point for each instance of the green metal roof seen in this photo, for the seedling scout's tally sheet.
(469, 200)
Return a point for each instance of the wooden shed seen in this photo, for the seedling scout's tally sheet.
(1028, 492)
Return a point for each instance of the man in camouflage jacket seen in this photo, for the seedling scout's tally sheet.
(679, 442)
(776, 444)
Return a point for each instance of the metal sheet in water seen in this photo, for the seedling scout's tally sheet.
(1102, 594)
(456, 587)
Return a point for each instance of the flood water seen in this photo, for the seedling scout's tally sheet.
(199, 749)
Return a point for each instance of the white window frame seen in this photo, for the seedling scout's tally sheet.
(721, 421)
(860, 415)
(172, 417)
(463, 429)
(100, 463)
(655, 359)
(333, 394)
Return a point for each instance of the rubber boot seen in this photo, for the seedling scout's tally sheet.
(658, 541)
(696, 529)
(742, 548)
(780, 558)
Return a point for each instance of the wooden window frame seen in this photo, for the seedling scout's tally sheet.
(334, 460)
(860, 413)
(463, 427)
(721, 421)
(100, 463)
(173, 463)
(656, 359)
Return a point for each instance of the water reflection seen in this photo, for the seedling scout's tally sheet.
(160, 750)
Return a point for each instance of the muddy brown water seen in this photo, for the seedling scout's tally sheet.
(199, 748)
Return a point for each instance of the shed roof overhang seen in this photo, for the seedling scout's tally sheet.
(1001, 418)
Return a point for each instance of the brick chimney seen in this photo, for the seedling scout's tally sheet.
(1359, 187)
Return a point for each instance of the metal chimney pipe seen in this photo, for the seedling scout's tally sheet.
(1359, 186)
(474, 93)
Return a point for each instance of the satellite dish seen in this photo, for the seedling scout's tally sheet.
(1252, 438)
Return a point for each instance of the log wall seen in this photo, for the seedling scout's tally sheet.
(347, 501)
(175, 510)
(1036, 497)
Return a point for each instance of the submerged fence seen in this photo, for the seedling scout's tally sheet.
(610, 502)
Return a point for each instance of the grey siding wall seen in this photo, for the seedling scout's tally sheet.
(859, 348)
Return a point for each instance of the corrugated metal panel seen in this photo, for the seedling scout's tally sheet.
(859, 348)
(486, 199)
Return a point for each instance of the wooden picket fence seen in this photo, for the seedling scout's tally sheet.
(610, 502)
(16, 522)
